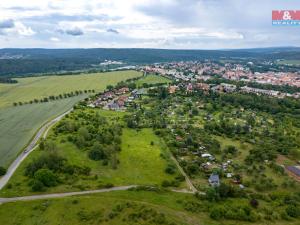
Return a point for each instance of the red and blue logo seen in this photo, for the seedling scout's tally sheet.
(286, 17)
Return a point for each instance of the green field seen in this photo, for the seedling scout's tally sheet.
(19, 124)
(38, 87)
(289, 62)
(140, 164)
(152, 79)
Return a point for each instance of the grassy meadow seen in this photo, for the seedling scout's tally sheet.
(152, 79)
(38, 87)
(119, 208)
(115, 208)
(140, 164)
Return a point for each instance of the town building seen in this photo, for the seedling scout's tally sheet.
(214, 180)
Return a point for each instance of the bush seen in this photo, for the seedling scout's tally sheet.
(37, 186)
(264, 184)
(233, 212)
(46, 177)
(212, 194)
(231, 150)
(293, 211)
(171, 169)
(2, 171)
(173, 183)
(51, 161)
(97, 152)
(254, 203)
(180, 178)
(165, 183)
(217, 213)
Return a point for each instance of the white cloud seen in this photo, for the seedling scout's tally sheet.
(54, 39)
(23, 30)
(144, 23)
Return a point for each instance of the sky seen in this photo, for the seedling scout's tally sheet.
(167, 24)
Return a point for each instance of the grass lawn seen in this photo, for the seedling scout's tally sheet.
(243, 147)
(19, 124)
(152, 79)
(38, 87)
(140, 164)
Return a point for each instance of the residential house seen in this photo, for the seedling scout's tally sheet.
(122, 91)
(214, 180)
(189, 88)
(172, 89)
(203, 86)
(295, 170)
(113, 106)
(228, 87)
(108, 95)
(259, 91)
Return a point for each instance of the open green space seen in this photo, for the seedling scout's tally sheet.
(152, 79)
(140, 163)
(39, 87)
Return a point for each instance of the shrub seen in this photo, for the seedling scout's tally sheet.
(217, 213)
(171, 169)
(165, 183)
(231, 150)
(2, 171)
(173, 183)
(46, 177)
(180, 178)
(37, 186)
(254, 203)
(293, 211)
(51, 161)
(212, 194)
(97, 152)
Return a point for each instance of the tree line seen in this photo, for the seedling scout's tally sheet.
(54, 97)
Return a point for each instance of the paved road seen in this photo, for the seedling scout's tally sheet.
(59, 195)
(32, 145)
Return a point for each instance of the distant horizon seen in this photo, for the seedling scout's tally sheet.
(183, 49)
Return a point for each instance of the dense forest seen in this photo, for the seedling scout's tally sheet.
(20, 62)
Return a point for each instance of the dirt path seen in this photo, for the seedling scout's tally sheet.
(60, 195)
(187, 179)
